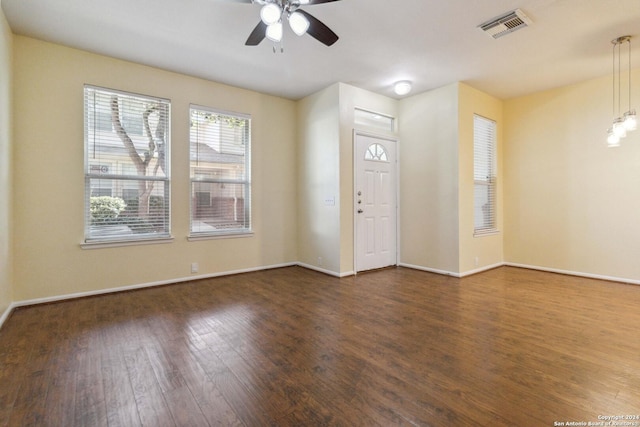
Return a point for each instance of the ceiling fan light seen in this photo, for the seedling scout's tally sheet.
(630, 120)
(274, 32)
(303, 1)
(299, 23)
(402, 87)
(270, 13)
(613, 140)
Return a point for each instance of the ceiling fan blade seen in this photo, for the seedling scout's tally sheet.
(235, 1)
(320, 1)
(257, 35)
(318, 30)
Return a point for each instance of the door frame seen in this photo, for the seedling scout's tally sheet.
(354, 202)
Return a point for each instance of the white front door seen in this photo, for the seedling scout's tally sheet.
(375, 202)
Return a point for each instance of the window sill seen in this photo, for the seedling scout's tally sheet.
(237, 235)
(119, 243)
(486, 233)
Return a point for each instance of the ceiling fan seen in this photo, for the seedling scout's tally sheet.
(274, 12)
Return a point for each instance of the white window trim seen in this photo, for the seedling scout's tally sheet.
(119, 243)
(229, 235)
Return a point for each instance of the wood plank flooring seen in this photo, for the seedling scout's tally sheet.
(292, 347)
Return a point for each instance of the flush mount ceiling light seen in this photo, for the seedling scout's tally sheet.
(274, 12)
(402, 87)
(627, 122)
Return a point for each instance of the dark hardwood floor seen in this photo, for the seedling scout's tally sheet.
(292, 347)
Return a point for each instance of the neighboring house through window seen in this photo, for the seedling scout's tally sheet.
(126, 166)
(220, 166)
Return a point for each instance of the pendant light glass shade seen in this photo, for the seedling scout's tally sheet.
(274, 32)
(630, 120)
(270, 13)
(618, 128)
(299, 23)
(613, 140)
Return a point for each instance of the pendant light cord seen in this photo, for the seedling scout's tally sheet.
(629, 43)
(619, 80)
(613, 74)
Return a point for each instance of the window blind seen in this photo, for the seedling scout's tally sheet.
(127, 185)
(219, 145)
(484, 174)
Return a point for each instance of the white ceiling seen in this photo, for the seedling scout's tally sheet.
(429, 42)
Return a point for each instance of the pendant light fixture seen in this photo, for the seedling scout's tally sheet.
(627, 122)
(630, 118)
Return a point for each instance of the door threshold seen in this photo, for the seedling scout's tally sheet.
(375, 270)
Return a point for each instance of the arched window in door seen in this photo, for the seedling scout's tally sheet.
(377, 153)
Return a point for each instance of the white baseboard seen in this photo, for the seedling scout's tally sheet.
(451, 273)
(56, 298)
(146, 285)
(575, 273)
(429, 270)
(6, 313)
(325, 271)
(481, 269)
(530, 267)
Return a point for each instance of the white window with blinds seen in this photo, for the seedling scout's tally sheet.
(220, 163)
(127, 181)
(484, 175)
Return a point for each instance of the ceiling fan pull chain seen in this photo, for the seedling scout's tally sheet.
(275, 50)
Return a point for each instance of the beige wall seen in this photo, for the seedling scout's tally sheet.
(49, 186)
(429, 232)
(319, 179)
(571, 203)
(6, 40)
(480, 252)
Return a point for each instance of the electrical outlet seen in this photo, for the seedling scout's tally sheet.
(194, 267)
(319, 261)
(477, 261)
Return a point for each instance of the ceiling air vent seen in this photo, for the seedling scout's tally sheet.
(505, 24)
